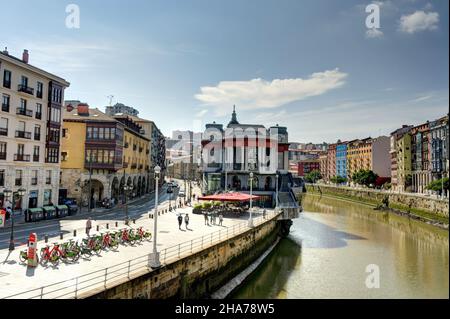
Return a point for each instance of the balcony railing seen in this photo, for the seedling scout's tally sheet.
(21, 157)
(23, 134)
(48, 180)
(37, 137)
(7, 84)
(3, 131)
(34, 181)
(25, 89)
(38, 115)
(125, 165)
(35, 158)
(39, 94)
(5, 107)
(133, 166)
(3, 156)
(140, 149)
(25, 112)
(18, 182)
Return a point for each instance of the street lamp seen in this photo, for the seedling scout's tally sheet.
(250, 221)
(154, 256)
(126, 189)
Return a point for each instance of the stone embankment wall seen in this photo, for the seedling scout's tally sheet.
(201, 274)
(400, 201)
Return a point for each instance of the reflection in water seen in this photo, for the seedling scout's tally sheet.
(339, 239)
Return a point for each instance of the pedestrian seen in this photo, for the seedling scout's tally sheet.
(212, 218)
(88, 226)
(186, 220)
(180, 221)
(220, 219)
(206, 218)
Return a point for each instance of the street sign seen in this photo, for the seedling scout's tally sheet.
(2, 218)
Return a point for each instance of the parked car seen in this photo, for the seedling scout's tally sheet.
(181, 193)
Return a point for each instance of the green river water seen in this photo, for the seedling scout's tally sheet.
(330, 246)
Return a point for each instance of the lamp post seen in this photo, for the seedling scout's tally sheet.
(126, 190)
(7, 193)
(250, 221)
(276, 191)
(154, 256)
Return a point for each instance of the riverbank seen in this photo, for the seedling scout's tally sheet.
(427, 210)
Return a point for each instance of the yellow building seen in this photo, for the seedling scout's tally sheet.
(102, 154)
(404, 166)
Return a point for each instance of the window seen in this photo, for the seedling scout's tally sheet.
(55, 115)
(40, 89)
(38, 110)
(48, 177)
(24, 81)
(20, 149)
(54, 135)
(63, 156)
(47, 197)
(4, 126)
(7, 79)
(5, 103)
(101, 133)
(23, 104)
(34, 177)
(52, 155)
(37, 132)
(36, 153)
(95, 133)
(2, 150)
(21, 126)
(18, 180)
(2, 177)
(65, 132)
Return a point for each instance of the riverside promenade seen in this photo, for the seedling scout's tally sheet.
(88, 276)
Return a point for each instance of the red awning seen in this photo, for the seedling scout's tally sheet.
(230, 197)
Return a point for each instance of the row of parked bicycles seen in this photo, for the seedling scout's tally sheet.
(72, 250)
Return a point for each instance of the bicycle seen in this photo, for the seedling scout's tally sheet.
(71, 250)
(109, 241)
(125, 237)
(23, 256)
(143, 234)
(53, 255)
(92, 244)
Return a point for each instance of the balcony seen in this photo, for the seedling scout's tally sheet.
(23, 134)
(126, 145)
(133, 166)
(5, 107)
(38, 115)
(134, 147)
(34, 181)
(21, 157)
(3, 131)
(24, 112)
(39, 94)
(37, 137)
(3, 156)
(35, 158)
(25, 89)
(140, 149)
(48, 180)
(18, 182)
(7, 84)
(125, 165)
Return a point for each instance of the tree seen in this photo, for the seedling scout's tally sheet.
(338, 179)
(313, 176)
(365, 177)
(437, 185)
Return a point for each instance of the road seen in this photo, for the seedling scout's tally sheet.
(136, 210)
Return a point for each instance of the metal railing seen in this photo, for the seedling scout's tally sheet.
(100, 280)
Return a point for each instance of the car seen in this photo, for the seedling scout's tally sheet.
(181, 193)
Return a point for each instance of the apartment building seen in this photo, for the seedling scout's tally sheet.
(30, 127)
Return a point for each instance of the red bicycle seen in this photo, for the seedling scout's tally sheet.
(125, 237)
(109, 241)
(53, 255)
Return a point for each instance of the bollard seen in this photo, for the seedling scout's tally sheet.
(117, 224)
(107, 226)
(61, 235)
(46, 238)
(98, 227)
(134, 221)
(74, 233)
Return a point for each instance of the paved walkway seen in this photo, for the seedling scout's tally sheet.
(173, 243)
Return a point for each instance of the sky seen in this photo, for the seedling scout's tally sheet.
(313, 66)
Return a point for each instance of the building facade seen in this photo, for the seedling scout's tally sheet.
(439, 131)
(323, 164)
(120, 108)
(30, 129)
(307, 166)
(341, 159)
(421, 157)
(331, 161)
(102, 154)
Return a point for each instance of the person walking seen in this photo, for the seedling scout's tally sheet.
(206, 218)
(264, 213)
(220, 219)
(212, 218)
(180, 221)
(186, 220)
(88, 226)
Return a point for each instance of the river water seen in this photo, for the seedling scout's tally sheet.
(332, 244)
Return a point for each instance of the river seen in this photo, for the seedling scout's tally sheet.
(330, 246)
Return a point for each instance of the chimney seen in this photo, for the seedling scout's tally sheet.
(83, 109)
(25, 56)
(6, 50)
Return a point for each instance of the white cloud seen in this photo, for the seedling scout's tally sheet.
(201, 113)
(419, 21)
(261, 94)
(374, 33)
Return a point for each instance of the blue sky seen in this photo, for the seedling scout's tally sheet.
(308, 65)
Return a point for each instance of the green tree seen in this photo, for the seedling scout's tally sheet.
(338, 179)
(365, 177)
(437, 185)
(313, 176)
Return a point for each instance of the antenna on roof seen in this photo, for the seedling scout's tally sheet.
(110, 97)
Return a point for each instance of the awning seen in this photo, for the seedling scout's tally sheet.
(62, 207)
(36, 210)
(230, 197)
(49, 208)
